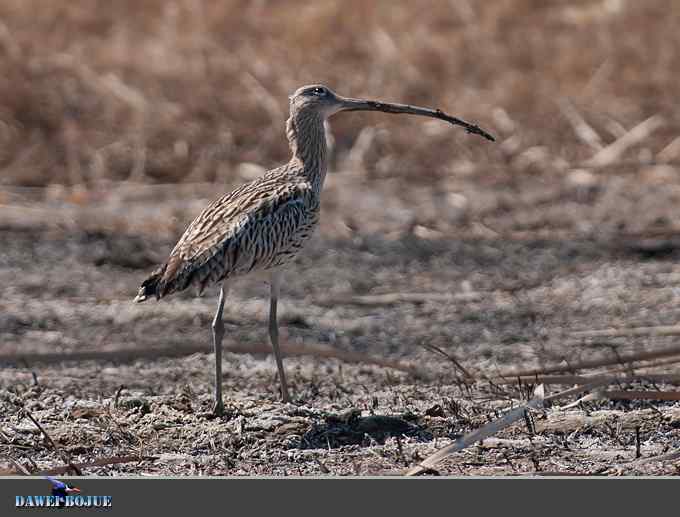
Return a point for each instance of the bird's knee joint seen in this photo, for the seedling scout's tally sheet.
(218, 325)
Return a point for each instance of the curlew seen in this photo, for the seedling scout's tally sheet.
(264, 224)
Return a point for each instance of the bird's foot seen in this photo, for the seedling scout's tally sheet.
(218, 409)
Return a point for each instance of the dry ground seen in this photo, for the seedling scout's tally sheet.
(119, 121)
(499, 303)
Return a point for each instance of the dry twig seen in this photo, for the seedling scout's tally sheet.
(183, 349)
(660, 330)
(65, 458)
(479, 434)
(581, 128)
(497, 425)
(396, 298)
(639, 395)
(111, 460)
(568, 380)
(613, 151)
(593, 363)
(450, 357)
(21, 469)
(618, 469)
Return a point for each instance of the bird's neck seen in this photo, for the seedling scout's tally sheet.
(307, 137)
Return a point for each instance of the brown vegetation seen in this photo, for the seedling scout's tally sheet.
(189, 90)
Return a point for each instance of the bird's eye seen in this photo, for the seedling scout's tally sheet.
(320, 91)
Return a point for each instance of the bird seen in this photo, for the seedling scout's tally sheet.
(60, 490)
(264, 224)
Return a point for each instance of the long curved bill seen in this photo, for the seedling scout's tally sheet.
(347, 104)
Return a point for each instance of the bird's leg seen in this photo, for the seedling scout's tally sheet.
(274, 333)
(218, 334)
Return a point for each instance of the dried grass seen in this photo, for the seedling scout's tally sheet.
(189, 90)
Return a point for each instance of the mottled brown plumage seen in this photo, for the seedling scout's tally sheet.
(263, 224)
(260, 225)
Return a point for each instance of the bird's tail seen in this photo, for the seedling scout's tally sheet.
(150, 287)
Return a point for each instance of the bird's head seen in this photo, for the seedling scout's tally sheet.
(317, 98)
(72, 490)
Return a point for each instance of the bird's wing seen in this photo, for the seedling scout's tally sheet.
(55, 482)
(249, 228)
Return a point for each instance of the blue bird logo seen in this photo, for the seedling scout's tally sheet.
(60, 490)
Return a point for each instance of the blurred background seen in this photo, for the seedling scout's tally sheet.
(96, 94)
